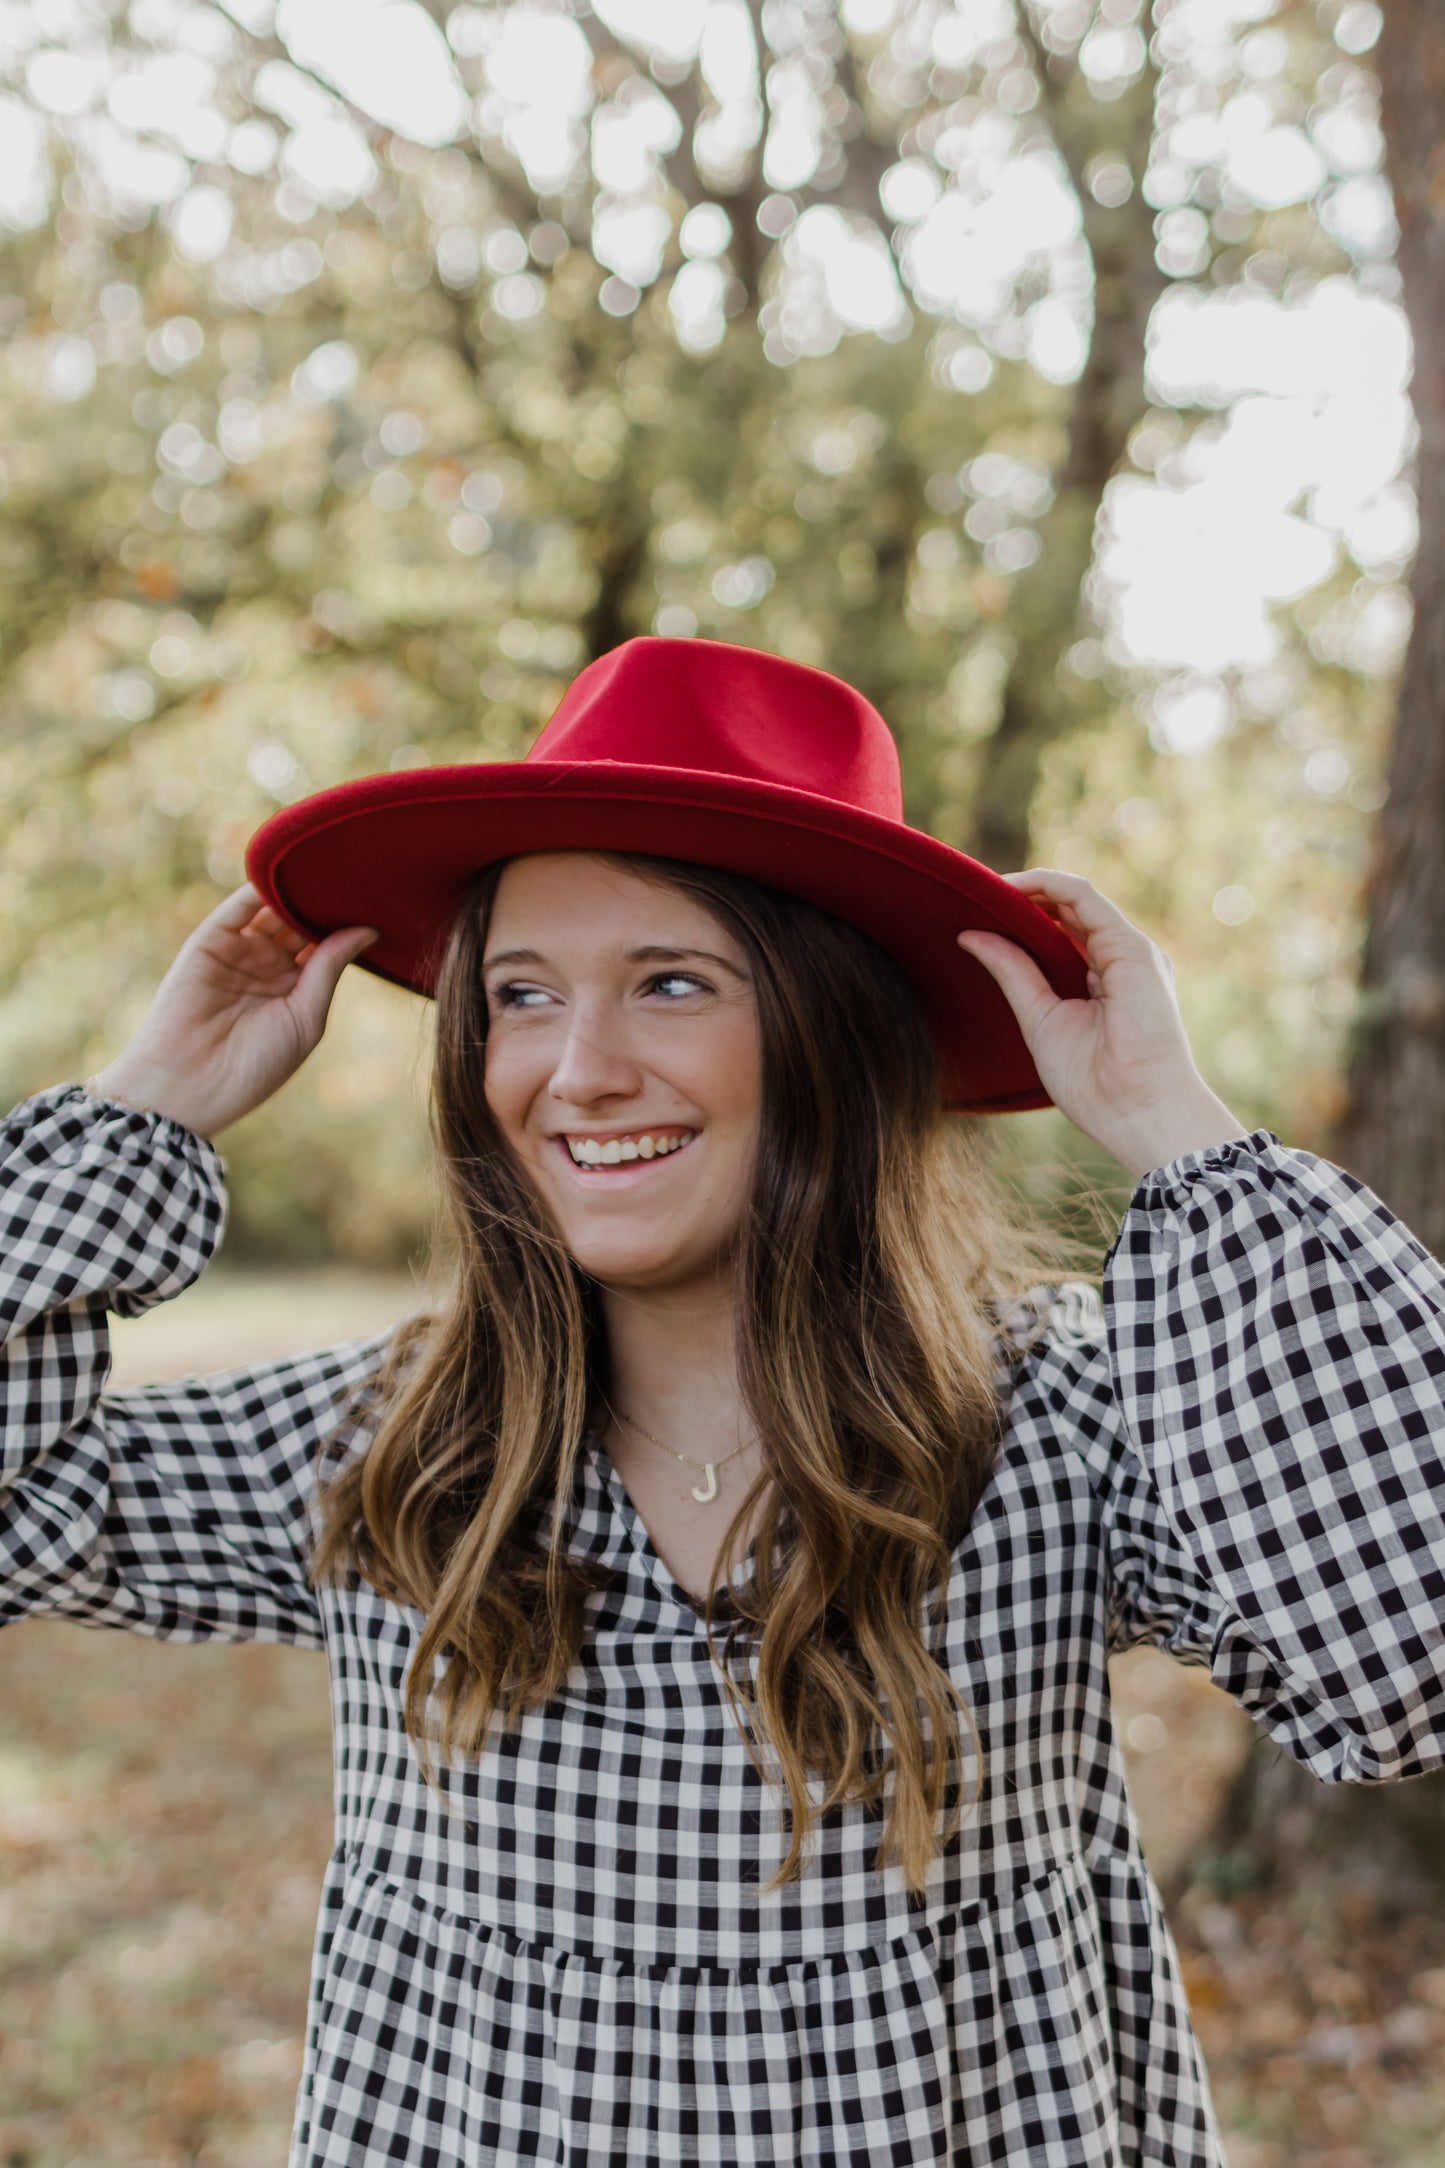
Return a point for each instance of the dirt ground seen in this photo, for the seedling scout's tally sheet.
(164, 1819)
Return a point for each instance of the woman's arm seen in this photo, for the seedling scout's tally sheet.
(1258, 1406)
(1276, 1341)
(1265, 1422)
(179, 1510)
(182, 1510)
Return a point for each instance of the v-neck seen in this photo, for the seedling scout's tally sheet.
(648, 1555)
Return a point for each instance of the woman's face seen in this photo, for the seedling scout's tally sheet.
(623, 1034)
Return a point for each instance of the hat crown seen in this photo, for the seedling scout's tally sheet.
(722, 710)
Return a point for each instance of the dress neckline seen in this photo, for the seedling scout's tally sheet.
(635, 1528)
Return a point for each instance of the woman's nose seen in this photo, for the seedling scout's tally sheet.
(594, 1061)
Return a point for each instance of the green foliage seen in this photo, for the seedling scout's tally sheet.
(338, 499)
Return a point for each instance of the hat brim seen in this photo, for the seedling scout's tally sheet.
(398, 851)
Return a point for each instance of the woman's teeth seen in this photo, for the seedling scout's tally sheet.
(589, 1152)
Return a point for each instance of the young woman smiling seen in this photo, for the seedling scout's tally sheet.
(718, 1593)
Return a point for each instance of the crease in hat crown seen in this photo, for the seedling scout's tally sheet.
(626, 709)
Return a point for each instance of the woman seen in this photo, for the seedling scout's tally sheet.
(718, 1597)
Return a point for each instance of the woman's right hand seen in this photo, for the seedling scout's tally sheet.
(242, 1006)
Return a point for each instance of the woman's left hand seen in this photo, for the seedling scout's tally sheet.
(1118, 1064)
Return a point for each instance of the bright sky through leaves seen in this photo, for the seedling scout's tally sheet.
(1311, 387)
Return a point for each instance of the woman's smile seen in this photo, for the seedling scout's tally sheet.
(599, 1161)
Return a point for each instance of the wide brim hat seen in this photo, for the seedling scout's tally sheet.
(687, 749)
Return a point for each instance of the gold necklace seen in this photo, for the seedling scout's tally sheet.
(708, 1467)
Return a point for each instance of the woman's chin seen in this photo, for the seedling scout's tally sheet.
(645, 1266)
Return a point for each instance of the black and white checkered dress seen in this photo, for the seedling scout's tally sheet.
(1240, 1457)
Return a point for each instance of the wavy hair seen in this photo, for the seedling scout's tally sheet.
(874, 1244)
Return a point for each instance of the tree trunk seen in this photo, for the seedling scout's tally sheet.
(1281, 1825)
(1108, 400)
(1392, 1132)
(1393, 1126)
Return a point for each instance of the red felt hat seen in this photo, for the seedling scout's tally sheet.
(723, 756)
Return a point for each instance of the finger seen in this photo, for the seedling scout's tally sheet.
(1073, 932)
(1082, 912)
(1060, 913)
(238, 910)
(1024, 987)
(1072, 893)
(275, 928)
(322, 971)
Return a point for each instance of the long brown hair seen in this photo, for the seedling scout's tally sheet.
(873, 1242)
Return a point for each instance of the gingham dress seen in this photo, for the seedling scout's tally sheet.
(1238, 1456)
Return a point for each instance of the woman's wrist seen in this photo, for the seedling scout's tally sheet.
(1151, 1141)
(99, 1086)
(147, 1091)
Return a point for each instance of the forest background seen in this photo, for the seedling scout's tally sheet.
(1041, 366)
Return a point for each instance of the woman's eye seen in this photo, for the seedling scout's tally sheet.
(513, 996)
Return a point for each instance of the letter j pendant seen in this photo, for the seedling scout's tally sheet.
(705, 1492)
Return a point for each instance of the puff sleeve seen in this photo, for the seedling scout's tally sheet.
(182, 1510)
(1260, 1402)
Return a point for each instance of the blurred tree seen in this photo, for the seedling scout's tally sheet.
(1105, 144)
(346, 413)
(1393, 1129)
